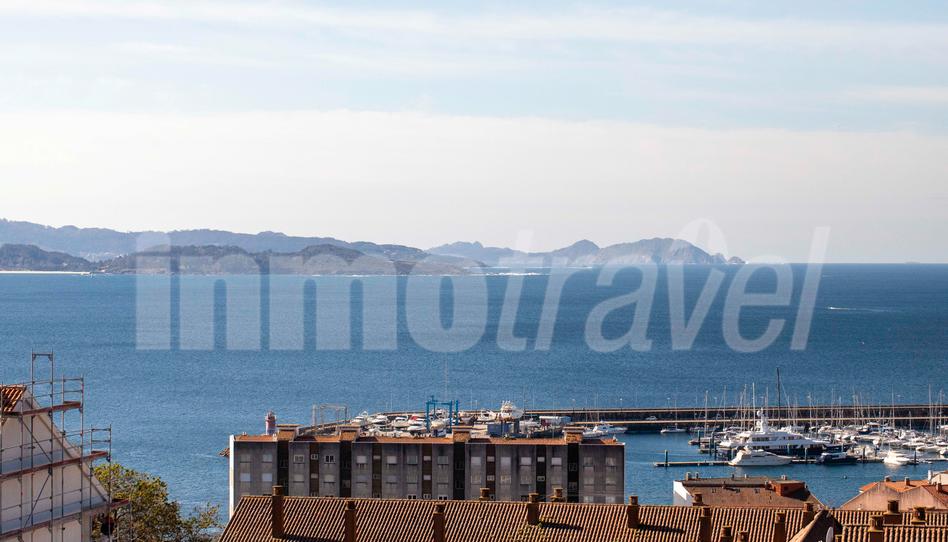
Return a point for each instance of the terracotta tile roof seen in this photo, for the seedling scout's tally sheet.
(320, 519)
(10, 396)
(861, 517)
(751, 492)
(897, 533)
(899, 485)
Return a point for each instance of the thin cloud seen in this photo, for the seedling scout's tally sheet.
(909, 95)
(601, 25)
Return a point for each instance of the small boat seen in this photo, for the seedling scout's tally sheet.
(379, 419)
(747, 457)
(674, 429)
(836, 457)
(362, 419)
(509, 412)
(400, 422)
(593, 433)
(603, 429)
(486, 416)
(898, 459)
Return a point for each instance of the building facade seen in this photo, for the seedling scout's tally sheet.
(47, 490)
(455, 467)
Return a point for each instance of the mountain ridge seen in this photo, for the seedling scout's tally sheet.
(110, 250)
(585, 253)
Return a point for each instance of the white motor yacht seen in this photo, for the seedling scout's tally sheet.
(897, 459)
(747, 457)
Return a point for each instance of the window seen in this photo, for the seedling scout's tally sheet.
(490, 477)
(505, 462)
(412, 460)
(541, 478)
(541, 459)
(299, 458)
(475, 461)
(427, 459)
(411, 496)
(314, 457)
(329, 459)
(391, 479)
(526, 460)
(442, 460)
(505, 479)
(490, 459)
(329, 478)
(266, 477)
(556, 461)
(442, 497)
(610, 462)
(392, 460)
(426, 496)
(426, 477)
(476, 479)
(245, 458)
(588, 462)
(361, 460)
(611, 499)
(268, 458)
(245, 477)
(588, 498)
(299, 478)
(314, 476)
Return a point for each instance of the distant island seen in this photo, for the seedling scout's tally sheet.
(33, 247)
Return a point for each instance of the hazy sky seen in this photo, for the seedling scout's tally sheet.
(435, 122)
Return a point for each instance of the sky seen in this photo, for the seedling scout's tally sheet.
(744, 126)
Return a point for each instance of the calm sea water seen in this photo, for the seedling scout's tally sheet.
(878, 330)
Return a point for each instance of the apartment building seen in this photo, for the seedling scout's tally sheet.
(453, 467)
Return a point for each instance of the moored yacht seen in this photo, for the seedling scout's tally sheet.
(747, 457)
(767, 439)
(897, 459)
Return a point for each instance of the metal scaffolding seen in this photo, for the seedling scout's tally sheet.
(47, 416)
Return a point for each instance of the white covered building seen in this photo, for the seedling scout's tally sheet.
(47, 489)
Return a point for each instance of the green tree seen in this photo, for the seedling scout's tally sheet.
(150, 516)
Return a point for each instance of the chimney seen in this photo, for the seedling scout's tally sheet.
(271, 423)
(533, 509)
(876, 534)
(887, 479)
(892, 515)
(573, 434)
(726, 535)
(698, 499)
(780, 527)
(939, 487)
(908, 482)
(485, 494)
(437, 523)
(743, 536)
(349, 522)
(918, 515)
(276, 513)
(808, 513)
(704, 525)
(632, 513)
(558, 495)
(348, 433)
(461, 433)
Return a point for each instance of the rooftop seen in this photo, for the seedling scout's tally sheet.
(321, 519)
(756, 491)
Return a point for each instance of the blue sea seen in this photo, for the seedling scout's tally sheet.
(877, 331)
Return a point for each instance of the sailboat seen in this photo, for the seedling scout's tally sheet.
(675, 428)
